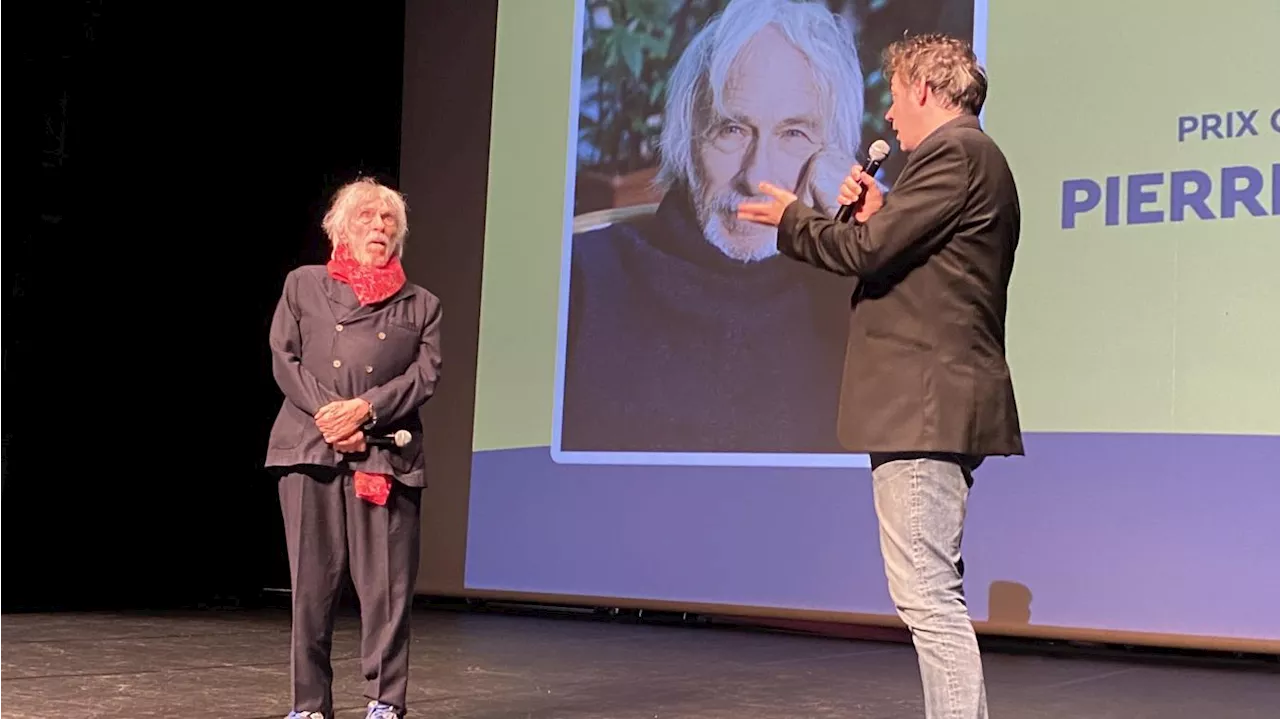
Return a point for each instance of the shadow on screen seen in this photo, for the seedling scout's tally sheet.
(1009, 603)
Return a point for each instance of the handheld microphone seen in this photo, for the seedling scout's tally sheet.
(875, 155)
(399, 439)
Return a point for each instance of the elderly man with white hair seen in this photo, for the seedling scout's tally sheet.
(686, 331)
(356, 351)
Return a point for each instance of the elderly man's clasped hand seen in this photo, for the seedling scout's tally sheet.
(340, 424)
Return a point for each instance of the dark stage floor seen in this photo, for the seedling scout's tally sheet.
(234, 665)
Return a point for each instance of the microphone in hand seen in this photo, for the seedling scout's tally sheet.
(401, 438)
(878, 151)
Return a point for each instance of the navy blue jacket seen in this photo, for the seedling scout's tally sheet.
(326, 347)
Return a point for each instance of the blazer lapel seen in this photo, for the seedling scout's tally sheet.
(345, 306)
(342, 300)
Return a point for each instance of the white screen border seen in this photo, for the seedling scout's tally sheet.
(707, 459)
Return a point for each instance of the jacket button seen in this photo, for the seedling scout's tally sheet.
(382, 335)
(337, 363)
(368, 369)
(338, 328)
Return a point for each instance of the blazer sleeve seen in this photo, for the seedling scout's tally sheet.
(298, 384)
(918, 217)
(393, 400)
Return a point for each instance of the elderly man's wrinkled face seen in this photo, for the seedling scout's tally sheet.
(773, 125)
(371, 231)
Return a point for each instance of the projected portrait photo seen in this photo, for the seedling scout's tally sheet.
(684, 336)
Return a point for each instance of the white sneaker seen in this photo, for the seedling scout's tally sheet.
(378, 710)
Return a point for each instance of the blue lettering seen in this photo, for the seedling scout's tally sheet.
(1188, 124)
(1113, 201)
(1275, 189)
(1237, 123)
(1190, 194)
(1181, 199)
(1073, 204)
(1139, 196)
(1210, 123)
(1275, 120)
(1246, 124)
(1248, 196)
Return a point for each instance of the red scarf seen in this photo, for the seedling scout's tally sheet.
(371, 285)
(372, 487)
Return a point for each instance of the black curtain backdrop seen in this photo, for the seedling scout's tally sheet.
(166, 167)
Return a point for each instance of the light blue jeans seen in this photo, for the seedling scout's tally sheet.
(920, 502)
